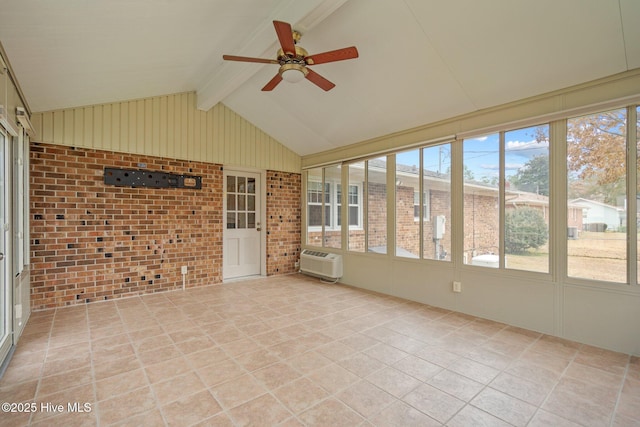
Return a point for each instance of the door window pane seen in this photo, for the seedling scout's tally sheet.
(481, 172)
(526, 245)
(596, 208)
(231, 202)
(436, 202)
(231, 184)
(231, 220)
(407, 187)
(377, 205)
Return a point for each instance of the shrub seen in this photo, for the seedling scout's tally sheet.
(524, 229)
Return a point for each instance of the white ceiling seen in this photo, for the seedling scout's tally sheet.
(420, 60)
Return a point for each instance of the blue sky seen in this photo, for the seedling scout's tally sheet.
(481, 154)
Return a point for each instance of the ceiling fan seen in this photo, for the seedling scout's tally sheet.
(294, 60)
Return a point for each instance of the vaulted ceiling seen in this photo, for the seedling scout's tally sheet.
(420, 60)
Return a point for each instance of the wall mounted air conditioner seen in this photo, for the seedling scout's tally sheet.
(321, 264)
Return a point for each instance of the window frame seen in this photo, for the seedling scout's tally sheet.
(335, 204)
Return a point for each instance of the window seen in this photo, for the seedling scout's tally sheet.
(425, 206)
(355, 236)
(353, 200)
(318, 195)
(526, 216)
(324, 206)
(481, 173)
(436, 203)
(596, 186)
(377, 205)
(507, 194)
(407, 188)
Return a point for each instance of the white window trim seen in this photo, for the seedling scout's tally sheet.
(335, 206)
(426, 214)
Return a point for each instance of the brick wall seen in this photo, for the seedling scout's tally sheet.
(284, 221)
(91, 241)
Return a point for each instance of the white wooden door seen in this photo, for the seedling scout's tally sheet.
(242, 250)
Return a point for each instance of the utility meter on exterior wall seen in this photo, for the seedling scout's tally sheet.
(438, 227)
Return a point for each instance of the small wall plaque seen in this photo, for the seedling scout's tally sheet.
(151, 179)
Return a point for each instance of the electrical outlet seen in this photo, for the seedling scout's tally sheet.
(297, 264)
(457, 286)
(184, 269)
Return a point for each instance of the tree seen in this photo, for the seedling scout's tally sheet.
(533, 176)
(596, 147)
(524, 229)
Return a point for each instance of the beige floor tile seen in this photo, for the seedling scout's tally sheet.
(433, 402)
(476, 371)
(69, 419)
(126, 405)
(152, 418)
(119, 384)
(18, 392)
(330, 412)
(456, 385)
(160, 354)
(257, 359)
(237, 391)
(417, 367)
(333, 378)
(219, 420)
(162, 371)
(81, 394)
(365, 398)
(523, 389)
(309, 361)
(209, 356)
(55, 383)
(472, 416)
(361, 364)
(300, 395)
(290, 351)
(177, 387)
(220, 372)
(505, 407)
(545, 419)
(393, 381)
(276, 375)
(402, 415)
(115, 367)
(264, 410)
(191, 409)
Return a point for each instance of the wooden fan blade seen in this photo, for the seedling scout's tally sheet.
(332, 56)
(248, 59)
(319, 81)
(272, 83)
(285, 36)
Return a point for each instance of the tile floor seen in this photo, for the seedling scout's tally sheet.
(292, 351)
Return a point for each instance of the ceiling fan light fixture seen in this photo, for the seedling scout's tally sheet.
(293, 73)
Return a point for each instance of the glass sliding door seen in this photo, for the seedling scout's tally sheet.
(5, 283)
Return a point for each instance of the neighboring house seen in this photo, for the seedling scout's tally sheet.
(597, 213)
(480, 200)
